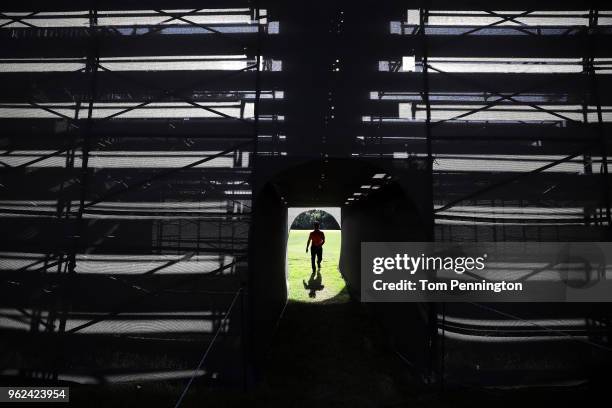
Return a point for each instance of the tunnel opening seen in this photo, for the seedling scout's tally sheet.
(306, 280)
(383, 200)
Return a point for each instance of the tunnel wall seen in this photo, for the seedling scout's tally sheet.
(389, 216)
(267, 281)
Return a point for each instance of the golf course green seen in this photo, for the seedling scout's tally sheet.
(299, 269)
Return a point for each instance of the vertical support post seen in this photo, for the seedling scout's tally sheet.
(93, 58)
(432, 307)
(79, 228)
(257, 87)
(423, 16)
(590, 69)
(246, 280)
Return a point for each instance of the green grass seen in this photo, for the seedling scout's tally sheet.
(299, 269)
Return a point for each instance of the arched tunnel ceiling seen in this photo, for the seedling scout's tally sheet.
(324, 182)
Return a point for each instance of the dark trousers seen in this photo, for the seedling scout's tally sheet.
(316, 252)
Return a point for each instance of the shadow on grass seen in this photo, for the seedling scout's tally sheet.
(314, 284)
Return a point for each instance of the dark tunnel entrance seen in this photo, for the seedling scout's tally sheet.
(383, 200)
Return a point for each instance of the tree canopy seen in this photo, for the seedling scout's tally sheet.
(306, 219)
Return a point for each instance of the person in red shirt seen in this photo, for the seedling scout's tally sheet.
(317, 237)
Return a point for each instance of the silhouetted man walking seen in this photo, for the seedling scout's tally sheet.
(316, 249)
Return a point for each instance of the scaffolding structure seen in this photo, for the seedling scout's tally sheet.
(129, 135)
(507, 109)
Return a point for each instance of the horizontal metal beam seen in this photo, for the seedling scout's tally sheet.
(59, 87)
(382, 46)
(84, 5)
(485, 131)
